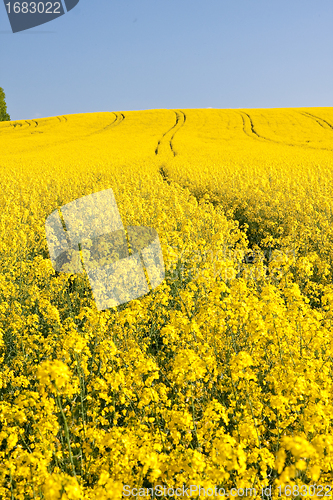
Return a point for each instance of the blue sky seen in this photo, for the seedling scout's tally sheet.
(120, 55)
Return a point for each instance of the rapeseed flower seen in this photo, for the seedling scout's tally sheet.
(220, 376)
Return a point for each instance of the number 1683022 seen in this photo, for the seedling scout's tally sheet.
(33, 7)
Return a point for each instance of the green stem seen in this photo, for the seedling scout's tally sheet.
(66, 431)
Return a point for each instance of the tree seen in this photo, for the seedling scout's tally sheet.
(4, 116)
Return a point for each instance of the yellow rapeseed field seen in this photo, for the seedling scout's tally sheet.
(222, 376)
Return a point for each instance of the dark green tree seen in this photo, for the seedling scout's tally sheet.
(4, 116)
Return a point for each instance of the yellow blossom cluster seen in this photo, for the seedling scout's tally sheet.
(222, 376)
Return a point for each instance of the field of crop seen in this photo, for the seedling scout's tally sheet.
(222, 376)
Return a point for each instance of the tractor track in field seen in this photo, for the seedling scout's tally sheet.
(169, 135)
(323, 123)
(25, 125)
(119, 118)
(254, 135)
(16, 124)
(62, 118)
(166, 141)
(253, 132)
(36, 125)
(228, 127)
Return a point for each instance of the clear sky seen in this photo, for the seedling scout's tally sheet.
(120, 55)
